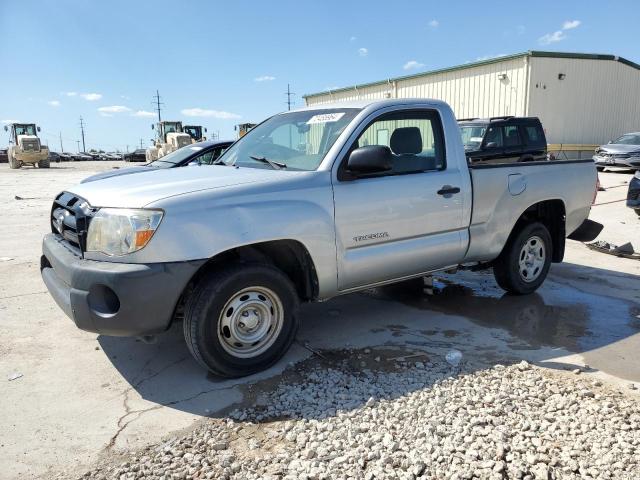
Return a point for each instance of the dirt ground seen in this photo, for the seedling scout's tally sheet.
(80, 397)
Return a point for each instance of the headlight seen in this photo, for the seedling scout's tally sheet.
(119, 231)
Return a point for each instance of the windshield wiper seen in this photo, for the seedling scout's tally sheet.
(272, 164)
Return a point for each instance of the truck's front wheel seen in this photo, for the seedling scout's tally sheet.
(241, 320)
(524, 263)
(13, 161)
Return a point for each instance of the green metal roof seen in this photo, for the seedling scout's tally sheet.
(530, 53)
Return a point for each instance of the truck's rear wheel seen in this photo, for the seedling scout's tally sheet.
(44, 163)
(241, 320)
(600, 169)
(524, 263)
(637, 210)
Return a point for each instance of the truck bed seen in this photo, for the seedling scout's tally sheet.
(501, 194)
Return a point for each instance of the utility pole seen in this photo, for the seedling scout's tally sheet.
(141, 144)
(61, 148)
(84, 148)
(289, 94)
(157, 102)
(78, 142)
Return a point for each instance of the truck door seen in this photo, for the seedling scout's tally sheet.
(512, 144)
(405, 221)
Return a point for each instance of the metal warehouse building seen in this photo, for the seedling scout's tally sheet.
(580, 98)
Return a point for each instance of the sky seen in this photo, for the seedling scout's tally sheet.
(221, 63)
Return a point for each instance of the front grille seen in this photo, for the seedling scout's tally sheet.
(30, 145)
(70, 217)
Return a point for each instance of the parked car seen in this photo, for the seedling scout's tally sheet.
(503, 139)
(4, 156)
(54, 157)
(66, 157)
(201, 153)
(622, 152)
(137, 155)
(82, 157)
(633, 194)
(309, 204)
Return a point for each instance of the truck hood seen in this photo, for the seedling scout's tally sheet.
(116, 173)
(137, 191)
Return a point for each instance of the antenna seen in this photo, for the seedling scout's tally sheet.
(157, 103)
(289, 94)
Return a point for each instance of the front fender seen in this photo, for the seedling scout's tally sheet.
(202, 225)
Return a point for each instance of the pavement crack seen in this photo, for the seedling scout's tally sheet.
(23, 295)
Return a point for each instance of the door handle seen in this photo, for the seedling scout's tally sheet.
(448, 190)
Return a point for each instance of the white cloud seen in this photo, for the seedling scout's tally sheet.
(103, 114)
(353, 39)
(363, 52)
(550, 38)
(54, 103)
(570, 24)
(264, 78)
(6, 122)
(125, 97)
(143, 113)
(559, 35)
(70, 94)
(92, 97)
(434, 23)
(412, 65)
(114, 109)
(201, 112)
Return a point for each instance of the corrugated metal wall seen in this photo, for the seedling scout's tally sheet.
(597, 101)
(472, 92)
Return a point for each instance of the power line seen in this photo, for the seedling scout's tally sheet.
(157, 103)
(289, 94)
(84, 148)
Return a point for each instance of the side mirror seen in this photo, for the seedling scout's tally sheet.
(491, 145)
(205, 129)
(6, 129)
(608, 143)
(38, 128)
(370, 159)
(152, 126)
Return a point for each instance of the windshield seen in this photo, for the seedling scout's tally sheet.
(628, 139)
(299, 140)
(472, 136)
(25, 129)
(176, 157)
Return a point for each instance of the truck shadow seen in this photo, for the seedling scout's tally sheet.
(386, 329)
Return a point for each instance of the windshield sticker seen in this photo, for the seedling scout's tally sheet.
(325, 118)
(475, 139)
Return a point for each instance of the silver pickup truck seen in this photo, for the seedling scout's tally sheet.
(310, 204)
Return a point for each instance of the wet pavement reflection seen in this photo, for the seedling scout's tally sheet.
(556, 315)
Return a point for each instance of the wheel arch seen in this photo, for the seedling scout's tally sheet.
(290, 256)
(552, 214)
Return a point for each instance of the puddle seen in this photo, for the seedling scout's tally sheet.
(556, 315)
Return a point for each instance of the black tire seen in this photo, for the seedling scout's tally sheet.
(637, 210)
(506, 268)
(43, 163)
(13, 163)
(203, 330)
(600, 169)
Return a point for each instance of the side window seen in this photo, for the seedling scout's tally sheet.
(534, 135)
(414, 138)
(493, 138)
(204, 159)
(511, 136)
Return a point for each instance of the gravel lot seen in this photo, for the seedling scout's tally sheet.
(421, 419)
(365, 392)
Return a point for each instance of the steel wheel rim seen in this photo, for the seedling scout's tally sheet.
(250, 322)
(531, 259)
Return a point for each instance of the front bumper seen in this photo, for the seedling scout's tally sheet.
(617, 161)
(121, 299)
